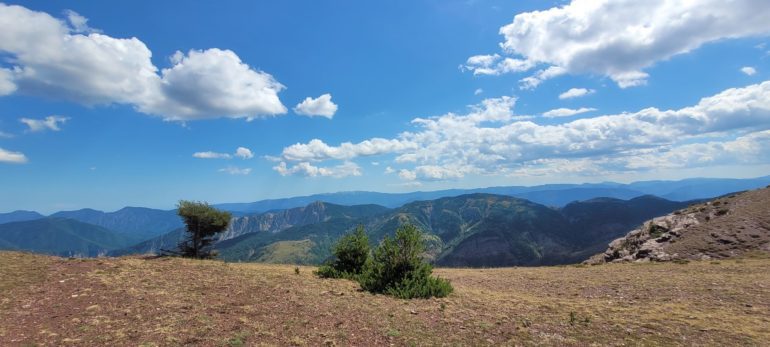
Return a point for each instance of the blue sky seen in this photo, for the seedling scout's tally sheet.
(107, 104)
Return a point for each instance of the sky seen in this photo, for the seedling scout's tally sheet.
(107, 104)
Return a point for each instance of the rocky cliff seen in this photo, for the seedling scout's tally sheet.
(725, 227)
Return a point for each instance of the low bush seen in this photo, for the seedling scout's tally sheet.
(397, 268)
(350, 253)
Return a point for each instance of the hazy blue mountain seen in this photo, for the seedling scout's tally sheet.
(136, 222)
(60, 236)
(19, 216)
(549, 194)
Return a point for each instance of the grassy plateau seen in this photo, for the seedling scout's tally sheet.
(133, 301)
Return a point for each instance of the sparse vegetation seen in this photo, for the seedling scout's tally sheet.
(169, 301)
(397, 268)
(350, 254)
(203, 222)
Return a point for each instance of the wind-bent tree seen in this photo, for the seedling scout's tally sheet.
(203, 223)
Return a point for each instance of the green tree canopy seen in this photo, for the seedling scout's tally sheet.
(203, 222)
(350, 254)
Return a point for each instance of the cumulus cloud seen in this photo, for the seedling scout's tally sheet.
(566, 112)
(240, 152)
(244, 153)
(491, 140)
(576, 93)
(345, 169)
(232, 170)
(49, 123)
(11, 157)
(320, 106)
(68, 60)
(611, 38)
(748, 70)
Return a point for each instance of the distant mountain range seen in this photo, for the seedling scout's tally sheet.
(136, 222)
(498, 226)
(474, 230)
(19, 216)
(550, 194)
(61, 236)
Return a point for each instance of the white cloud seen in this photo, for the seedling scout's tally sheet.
(215, 83)
(533, 81)
(232, 170)
(49, 123)
(211, 155)
(7, 86)
(240, 152)
(389, 170)
(345, 169)
(494, 65)
(576, 93)
(5, 135)
(74, 62)
(244, 153)
(317, 150)
(491, 140)
(611, 38)
(320, 106)
(407, 175)
(79, 23)
(12, 157)
(478, 91)
(748, 70)
(566, 112)
(747, 149)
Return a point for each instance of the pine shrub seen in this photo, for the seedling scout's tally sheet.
(397, 268)
(350, 254)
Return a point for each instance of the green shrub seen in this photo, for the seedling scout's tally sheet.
(350, 254)
(398, 269)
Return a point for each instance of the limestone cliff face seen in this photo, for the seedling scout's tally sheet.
(725, 227)
(275, 221)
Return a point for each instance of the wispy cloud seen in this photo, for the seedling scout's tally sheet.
(240, 152)
(232, 170)
(51, 123)
(748, 70)
(566, 112)
(11, 157)
(575, 93)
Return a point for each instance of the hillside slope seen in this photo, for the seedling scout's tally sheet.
(135, 222)
(265, 224)
(721, 228)
(19, 216)
(50, 301)
(60, 236)
(475, 230)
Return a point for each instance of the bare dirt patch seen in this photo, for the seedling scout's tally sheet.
(160, 302)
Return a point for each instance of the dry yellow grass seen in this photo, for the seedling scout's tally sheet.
(159, 302)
